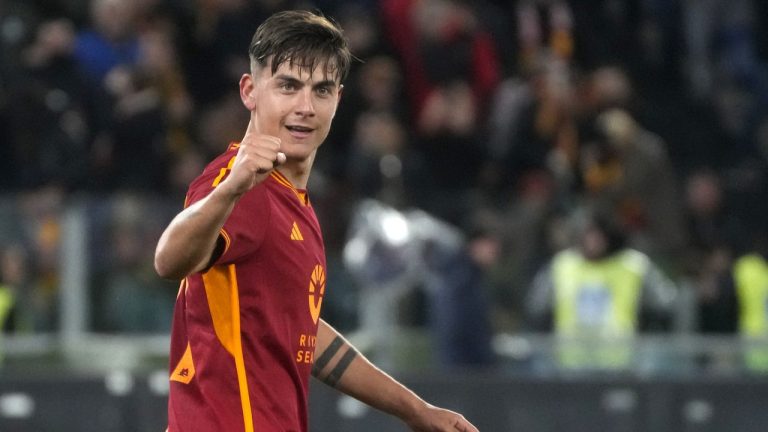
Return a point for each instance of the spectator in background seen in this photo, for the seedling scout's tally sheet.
(380, 161)
(15, 296)
(7, 306)
(8, 293)
(543, 27)
(598, 295)
(380, 154)
(440, 42)
(41, 210)
(111, 40)
(748, 280)
(602, 89)
(714, 236)
(533, 129)
(626, 169)
(161, 64)
(151, 114)
(8, 299)
(459, 308)
(130, 52)
(132, 153)
(452, 67)
(726, 71)
(53, 94)
(17, 267)
(720, 44)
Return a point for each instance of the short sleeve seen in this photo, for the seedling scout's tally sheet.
(244, 230)
(245, 227)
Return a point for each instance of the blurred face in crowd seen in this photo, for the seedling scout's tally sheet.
(703, 194)
(594, 243)
(295, 104)
(113, 18)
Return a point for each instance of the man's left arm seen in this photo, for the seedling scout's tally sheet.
(339, 365)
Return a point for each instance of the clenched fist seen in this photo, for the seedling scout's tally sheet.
(257, 156)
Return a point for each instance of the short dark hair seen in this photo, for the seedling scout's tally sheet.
(302, 38)
(608, 223)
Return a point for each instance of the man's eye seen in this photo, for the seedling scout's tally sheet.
(288, 87)
(323, 91)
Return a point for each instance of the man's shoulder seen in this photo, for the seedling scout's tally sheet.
(213, 173)
(223, 159)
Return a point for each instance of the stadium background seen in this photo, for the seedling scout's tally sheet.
(483, 126)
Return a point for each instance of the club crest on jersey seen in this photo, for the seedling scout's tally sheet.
(316, 291)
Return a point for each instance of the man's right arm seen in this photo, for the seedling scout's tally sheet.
(187, 244)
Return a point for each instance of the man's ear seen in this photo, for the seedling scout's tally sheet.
(247, 89)
(341, 93)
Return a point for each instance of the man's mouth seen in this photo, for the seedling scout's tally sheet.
(299, 129)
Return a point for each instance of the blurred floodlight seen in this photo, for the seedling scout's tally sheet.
(16, 405)
(394, 227)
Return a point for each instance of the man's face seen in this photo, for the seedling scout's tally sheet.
(594, 243)
(292, 104)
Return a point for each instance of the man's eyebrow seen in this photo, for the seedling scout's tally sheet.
(294, 80)
(287, 78)
(325, 83)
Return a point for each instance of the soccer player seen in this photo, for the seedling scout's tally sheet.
(247, 333)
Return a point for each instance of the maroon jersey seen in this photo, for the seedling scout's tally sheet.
(244, 331)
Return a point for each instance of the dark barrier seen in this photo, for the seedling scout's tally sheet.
(575, 404)
(123, 402)
(66, 403)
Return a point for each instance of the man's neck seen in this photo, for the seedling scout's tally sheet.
(297, 172)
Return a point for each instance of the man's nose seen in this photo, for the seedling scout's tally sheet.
(305, 105)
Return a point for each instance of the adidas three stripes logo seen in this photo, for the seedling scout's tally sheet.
(295, 233)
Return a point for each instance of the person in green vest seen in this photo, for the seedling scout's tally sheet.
(597, 296)
(7, 301)
(748, 280)
(10, 266)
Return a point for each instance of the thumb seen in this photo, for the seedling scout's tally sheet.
(281, 158)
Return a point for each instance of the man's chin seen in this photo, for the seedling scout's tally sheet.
(298, 153)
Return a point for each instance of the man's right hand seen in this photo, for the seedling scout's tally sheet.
(257, 156)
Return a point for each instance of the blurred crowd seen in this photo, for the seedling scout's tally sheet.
(515, 121)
